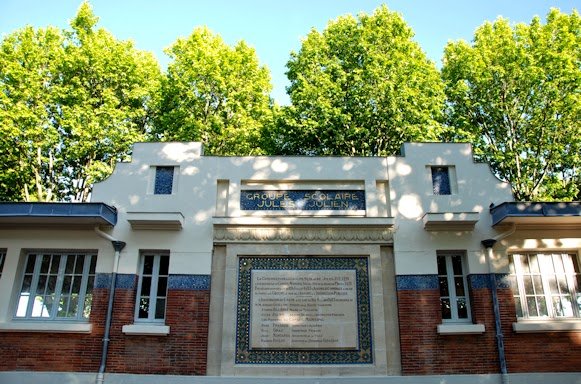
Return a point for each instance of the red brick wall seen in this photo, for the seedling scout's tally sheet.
(32, 351)
(425, 352)
(182, 352)
(537, 352)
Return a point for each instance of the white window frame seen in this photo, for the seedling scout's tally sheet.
(544, 275)
(452, 294)
(155, 275)
(26, 305)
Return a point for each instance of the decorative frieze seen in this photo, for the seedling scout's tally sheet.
(290, 234)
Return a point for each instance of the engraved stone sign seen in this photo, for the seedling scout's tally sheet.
(303, 309)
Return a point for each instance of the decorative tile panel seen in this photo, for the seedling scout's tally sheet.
(363, 354)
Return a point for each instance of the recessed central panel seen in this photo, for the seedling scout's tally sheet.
(303, 310)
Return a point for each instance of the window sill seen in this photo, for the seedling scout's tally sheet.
(536, 326)
(146, 329)
(46, 326)
(461, 329)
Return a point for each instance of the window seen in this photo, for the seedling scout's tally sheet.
(453, 293)
(546, 285)
(441, 181)
(57, 286)
(2, 258)
(152, 287)
(163, 180)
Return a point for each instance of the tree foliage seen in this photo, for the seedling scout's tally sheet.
(515, 93)
(215, 94)
(361, 87)
(71, 104)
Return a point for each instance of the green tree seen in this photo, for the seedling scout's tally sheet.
(361, 87)
(71, 105)
(29, 141)
(215, 94)
(105, 95)
(515, 94)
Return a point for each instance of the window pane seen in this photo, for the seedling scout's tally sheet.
(162, 286)
(78, 265)
(518, 307)
(30, 264)
(441, 181)
(446, 310)
(459, 285)
(54, 268)
(528, 281)
(462, 308)
(558, 263)
(148, 265)
(542, 302)
(443, 286)
(143, 308)
(146, 286)
(45, 264)
(457, 265)
(163, 180)
(532, 306)
(26, 284)
(442, 265)
(70, 265)
(164, 265)
(160, 309)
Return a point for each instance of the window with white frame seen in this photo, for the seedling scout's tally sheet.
(2, 258)
(152, 287)
(454, 302)
(57, 286)
(546, 285)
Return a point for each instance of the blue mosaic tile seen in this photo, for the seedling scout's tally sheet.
(245, 355)
(103, 280)
(124, 281)
(163, 180)
(189, 282)
(479, 281)
(417, 282)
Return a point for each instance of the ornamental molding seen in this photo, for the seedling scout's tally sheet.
(287, 234)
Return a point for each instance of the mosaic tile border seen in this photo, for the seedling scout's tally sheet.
(124, 281)
(482, 280)
(189, 282)
(129, 281)
(244, 355)
(417, 282)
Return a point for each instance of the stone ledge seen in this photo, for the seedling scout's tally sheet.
(46, 326)
(146, 329)
(536, 326)
(461, 329)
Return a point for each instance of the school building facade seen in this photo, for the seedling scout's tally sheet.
(412, 268)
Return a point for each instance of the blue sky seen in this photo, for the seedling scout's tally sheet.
(273, 27)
